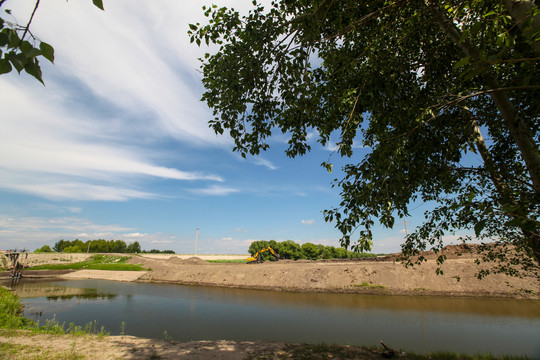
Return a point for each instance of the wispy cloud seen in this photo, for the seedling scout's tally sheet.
(263, 162)
(57, 144)
(308, 222)
(215, 190)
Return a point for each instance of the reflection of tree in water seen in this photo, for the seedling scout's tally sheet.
(89, 294)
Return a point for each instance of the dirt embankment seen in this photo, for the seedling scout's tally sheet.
(373, 275)
(387, 277)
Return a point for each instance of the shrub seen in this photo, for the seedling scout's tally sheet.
(44, 249)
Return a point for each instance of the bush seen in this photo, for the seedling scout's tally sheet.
(292, 250)
(44, 249)
(311, 251)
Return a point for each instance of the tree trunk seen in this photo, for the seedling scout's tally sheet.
(518, 129)
(533, 239)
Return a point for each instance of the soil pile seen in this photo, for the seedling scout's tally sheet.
(385, 276)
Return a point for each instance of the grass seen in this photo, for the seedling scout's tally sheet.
(11, 319)
(369, 286)
(95, 262)
(231, 261)
(31, 352)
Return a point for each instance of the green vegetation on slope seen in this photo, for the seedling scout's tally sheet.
(294, 251)
(95, 262)
(11, 319)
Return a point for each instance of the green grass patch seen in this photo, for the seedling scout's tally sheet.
(369, 286)
(230, 261)
(11, 319)
(95, 262)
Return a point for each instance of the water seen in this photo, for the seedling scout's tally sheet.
(420, 324)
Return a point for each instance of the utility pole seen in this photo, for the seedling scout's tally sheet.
(405, 223)
(196, 238)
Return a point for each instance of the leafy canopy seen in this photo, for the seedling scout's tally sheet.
(422, 84)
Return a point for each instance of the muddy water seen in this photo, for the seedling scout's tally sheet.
(420, 324)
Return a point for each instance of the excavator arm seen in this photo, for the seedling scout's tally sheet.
(257, 257)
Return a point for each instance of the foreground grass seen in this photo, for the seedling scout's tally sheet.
(95, 262)
(11, 320)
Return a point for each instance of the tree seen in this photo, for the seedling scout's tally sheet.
(423, 86)
(60, 245)
(134, 247)
(44, 249)
(311, 251)
(20, 48)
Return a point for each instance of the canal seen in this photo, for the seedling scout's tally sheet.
(415, 323)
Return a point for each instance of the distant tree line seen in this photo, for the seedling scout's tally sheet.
(294, 251)
(99, 246)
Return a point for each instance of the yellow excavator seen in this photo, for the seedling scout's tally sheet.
(257, 258)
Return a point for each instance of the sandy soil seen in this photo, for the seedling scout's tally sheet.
(130, 347)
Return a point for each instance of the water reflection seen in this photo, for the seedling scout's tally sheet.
(421, 323)
(56, 291)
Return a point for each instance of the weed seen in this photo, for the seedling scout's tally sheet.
(166, 337)
(369, 286)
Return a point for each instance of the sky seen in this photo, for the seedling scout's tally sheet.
(116, 145)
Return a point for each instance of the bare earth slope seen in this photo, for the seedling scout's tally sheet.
(358, 276)
(373, 275)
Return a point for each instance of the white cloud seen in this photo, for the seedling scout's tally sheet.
(131, 65)
(34, 232)
(134, 235)
(241, 230)
(263, 162)
(308, 222)
(228, 238)
(215, 190)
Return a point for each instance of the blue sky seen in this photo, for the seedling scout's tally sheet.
(117, 146)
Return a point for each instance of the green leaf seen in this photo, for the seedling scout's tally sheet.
(47, 51)
(193, 27)
(464, 61)
(13, 39)
(33, 69)
(5, 66)
(16, 61)
(3, 39)
(28, 50)
(479, 227)
(98, 3)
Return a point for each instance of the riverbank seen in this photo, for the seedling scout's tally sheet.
(372, 275)
(380, 277)
(22, 346)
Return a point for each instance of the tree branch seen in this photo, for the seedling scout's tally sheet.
(30, 21)
(518, 129)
